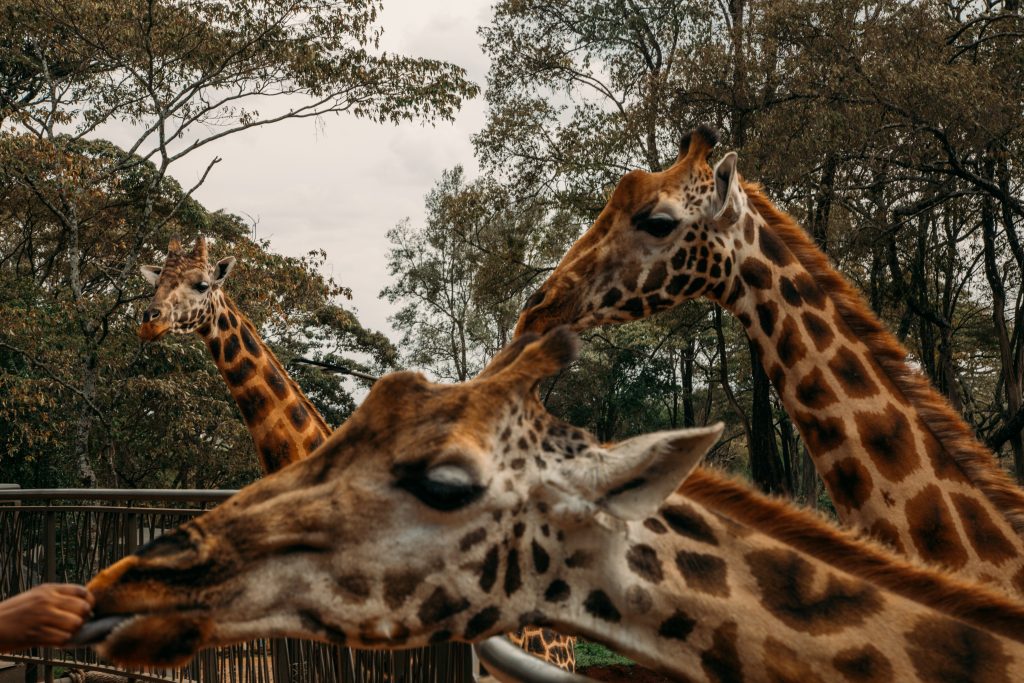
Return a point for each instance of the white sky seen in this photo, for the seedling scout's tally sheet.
(339, 183)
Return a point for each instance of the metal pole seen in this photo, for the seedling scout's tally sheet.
(51, 575)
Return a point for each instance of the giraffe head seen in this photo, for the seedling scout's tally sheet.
(184, 289)
(436, 512)
(663, 238)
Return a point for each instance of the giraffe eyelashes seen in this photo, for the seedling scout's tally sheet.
(201, 286)
(659, 224)
(445, 487)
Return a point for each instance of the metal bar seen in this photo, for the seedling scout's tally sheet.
(177, 495)
(51, 576)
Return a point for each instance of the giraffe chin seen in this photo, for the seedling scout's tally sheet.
(157, 640)
(150, 332)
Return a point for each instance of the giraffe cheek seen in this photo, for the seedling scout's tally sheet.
(157, 640)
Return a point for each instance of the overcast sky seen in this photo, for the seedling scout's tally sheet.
(340, 183)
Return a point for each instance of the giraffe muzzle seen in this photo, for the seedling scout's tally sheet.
(153, 330)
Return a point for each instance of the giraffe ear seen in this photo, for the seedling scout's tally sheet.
(221, 270)
(728, 198)
(640, 473)
(151, 273)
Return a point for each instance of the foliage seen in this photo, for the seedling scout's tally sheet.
(81, 402)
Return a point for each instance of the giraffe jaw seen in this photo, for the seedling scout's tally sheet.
(152, 331)
(167, 639)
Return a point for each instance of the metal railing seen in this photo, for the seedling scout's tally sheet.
(67, 535)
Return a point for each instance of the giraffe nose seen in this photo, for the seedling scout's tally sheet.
(151, 314)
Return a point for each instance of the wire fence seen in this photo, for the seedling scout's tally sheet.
(67, 535)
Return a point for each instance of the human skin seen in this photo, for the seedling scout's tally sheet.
(44, 615)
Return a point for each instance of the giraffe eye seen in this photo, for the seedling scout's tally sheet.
(201, 286)
(445, 487)
(658, 224)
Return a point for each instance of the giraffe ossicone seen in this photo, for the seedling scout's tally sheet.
(452, 512)
(896, 459)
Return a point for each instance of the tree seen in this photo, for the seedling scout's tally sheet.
(182, 74)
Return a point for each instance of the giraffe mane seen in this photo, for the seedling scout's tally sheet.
(860, 555)
(953, 434)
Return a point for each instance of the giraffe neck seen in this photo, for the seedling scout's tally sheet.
(703, 597)
(284, 425)
(857, 405)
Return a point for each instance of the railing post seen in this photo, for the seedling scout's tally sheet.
(50, 528)
(131, 531)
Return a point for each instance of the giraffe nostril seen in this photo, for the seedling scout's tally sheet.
(535, 299)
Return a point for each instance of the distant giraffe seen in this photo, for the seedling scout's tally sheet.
(284, 424)
(453, 512)
(896, 459)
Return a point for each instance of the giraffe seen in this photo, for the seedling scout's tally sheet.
(284, 424)
(453, 512)
(190, 298)
(896, 459)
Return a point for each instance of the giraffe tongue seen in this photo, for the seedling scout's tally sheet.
(97, 630)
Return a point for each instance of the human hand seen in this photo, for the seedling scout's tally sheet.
(45, 615)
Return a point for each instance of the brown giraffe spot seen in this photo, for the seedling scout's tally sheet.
(214, 345)
(275, 381)
(440, 606)
(481, 622)
(821, 434)
(643, 561)
(886, 532)
(222, 322)
(933, 530)
(354, 586)
(250, 343)
(231, 348)
(789, 590)
(513, 578)
(638, 600)
(655, 525)
(852, 375)
(988, 541)
(767, 314)
(944, 465)
(818, 330)
(704, 573)
(557, 591)
(599, 605)
(241, 373)
(314, 442)
(234, 320)
(744, 319)
(1018, 580)
(253, 403)
(277, 451)
(748, 229)
(472, 538)
(889, 441)
(298, 415)
(634, 307)
(686, 521)
(398, 586)
(782, 664)
(489, 570)
(864, 664)
(789, 293)
(850, 484)
(655, 277)
(721, 662)
(774, 248)
(678, 626)
(611, 297)
(947, 651)
(790, 348)
(580, 559)
(738, 290)
(677, 284)
(755, 273)
(809, 290)
(814, 391)
(541, 559)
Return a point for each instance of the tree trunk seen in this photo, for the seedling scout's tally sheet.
(686, 370)
(765, 466)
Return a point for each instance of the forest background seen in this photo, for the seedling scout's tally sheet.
(891, 130)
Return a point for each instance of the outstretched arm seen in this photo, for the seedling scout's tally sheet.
(45, 615)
